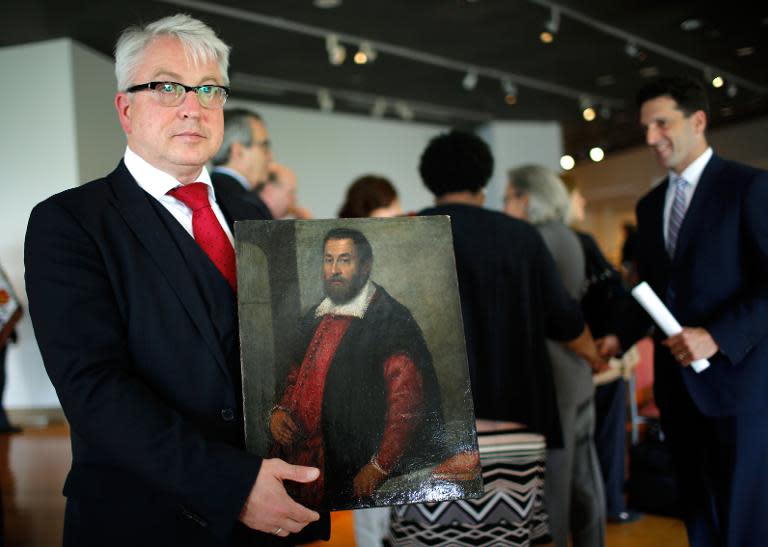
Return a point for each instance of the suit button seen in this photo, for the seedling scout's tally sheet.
(227, 414)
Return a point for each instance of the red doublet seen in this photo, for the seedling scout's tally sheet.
(303, 398)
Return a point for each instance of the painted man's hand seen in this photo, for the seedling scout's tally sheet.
(284, 429)
(367, 480)
(692, 344)
(269, 508)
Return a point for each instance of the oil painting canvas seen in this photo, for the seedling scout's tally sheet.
(353, 359)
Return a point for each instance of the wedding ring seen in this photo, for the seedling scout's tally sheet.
(278, 530)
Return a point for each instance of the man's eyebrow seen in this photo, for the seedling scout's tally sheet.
(163, 74)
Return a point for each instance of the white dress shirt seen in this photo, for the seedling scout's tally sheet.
(157, 183)
(691, 174)
(235, 175)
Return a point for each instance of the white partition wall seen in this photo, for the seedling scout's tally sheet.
(518, 143)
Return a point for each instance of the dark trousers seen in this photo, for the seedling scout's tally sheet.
(610, 441)
(721, 467)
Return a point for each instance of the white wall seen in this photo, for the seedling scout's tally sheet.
(518, 143)
(39, 158)
(328, 151)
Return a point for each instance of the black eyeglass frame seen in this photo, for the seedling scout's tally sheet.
(187, 88)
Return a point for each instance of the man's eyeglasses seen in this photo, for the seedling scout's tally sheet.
(173, 93)
(264, 145)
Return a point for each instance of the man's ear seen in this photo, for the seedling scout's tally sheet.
(699, 119)
(236, 150)
(123, 107)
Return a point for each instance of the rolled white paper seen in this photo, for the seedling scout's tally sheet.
(648, 299)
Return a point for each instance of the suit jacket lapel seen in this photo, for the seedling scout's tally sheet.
(657, 199)
(132, 203)
(701, 203)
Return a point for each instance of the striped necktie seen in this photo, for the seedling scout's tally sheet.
(676, 213)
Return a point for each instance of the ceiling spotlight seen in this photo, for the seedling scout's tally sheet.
(510, 91)
(596, 154)
(567, 162)
(403, 110)
(324, 100)
(336, 51)
(470, 80)
(731, 91)
(379, 107)
(589, 114)
(718, 82)
(365, 54)
(546, 37)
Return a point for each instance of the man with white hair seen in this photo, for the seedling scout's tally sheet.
(132, 293)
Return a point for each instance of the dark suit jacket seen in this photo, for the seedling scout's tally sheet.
(718, 279)
(224, 184)
(138, 333)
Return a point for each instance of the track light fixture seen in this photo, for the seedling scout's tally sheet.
(325, 100)
(553, 24)
(510, 91)
(586, 105)
(470, 80)
(336, 50)
(632, 50)
(551, 27)
(403, 110)
(379, 107)
(365, 54)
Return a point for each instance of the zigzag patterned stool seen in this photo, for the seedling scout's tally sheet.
(510, 513)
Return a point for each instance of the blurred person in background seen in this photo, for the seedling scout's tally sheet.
(603, 300)
(242, 162)
(574, 494)
(279, 193)
(512, 300)
(371, 196)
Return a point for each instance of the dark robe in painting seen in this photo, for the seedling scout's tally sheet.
(356, 398)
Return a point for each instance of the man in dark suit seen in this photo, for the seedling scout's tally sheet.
(132, 294)
(703, 247)
(242, 163)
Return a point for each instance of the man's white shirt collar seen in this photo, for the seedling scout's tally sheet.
(355, 307)
(235, 175)
(693, 172)
(155, 182)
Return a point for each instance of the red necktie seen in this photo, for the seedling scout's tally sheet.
(207, 230)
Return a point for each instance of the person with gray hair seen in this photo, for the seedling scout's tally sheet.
(132, 294)
(242, 163)
(573, 486)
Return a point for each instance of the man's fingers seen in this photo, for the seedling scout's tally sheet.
(297, 473)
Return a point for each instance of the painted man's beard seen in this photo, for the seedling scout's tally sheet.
(341, 290)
